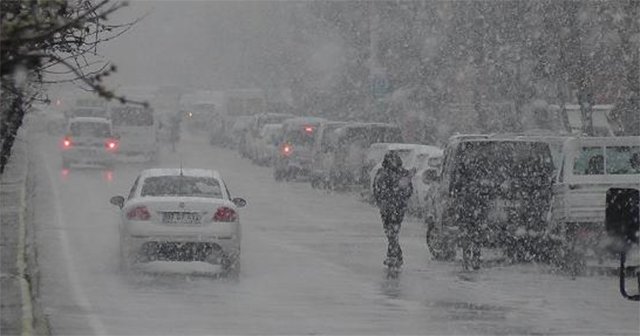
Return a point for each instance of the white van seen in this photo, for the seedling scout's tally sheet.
(136, 127)
(590, 166)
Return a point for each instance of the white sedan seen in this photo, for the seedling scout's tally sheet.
(180, 219)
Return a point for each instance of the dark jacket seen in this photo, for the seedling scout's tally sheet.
(392, 184)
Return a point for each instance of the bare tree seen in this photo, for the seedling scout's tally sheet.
(41, 38)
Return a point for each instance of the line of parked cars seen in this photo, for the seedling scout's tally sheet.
(331, 154)
(535, 197)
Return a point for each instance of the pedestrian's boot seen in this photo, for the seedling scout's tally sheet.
(393, 262)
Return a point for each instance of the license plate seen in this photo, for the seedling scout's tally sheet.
(181, 218)
(87, 152)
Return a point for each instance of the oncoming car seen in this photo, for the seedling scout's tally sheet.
(89, 141)
(180, 216)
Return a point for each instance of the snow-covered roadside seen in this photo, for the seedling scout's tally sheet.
(20, 309)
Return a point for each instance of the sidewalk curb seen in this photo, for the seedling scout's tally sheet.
(15, 179)
(25, 287)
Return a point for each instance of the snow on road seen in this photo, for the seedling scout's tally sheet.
(311, 264)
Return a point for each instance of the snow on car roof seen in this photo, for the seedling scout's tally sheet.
(89, 119)
(272, 126)
(303, 120)
(609, 141)
(176, 171)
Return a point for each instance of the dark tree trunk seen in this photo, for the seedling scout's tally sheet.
(10, 122)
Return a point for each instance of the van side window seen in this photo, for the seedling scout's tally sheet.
(133, 189)
(590, 161)
(561, 173)
(623, 160)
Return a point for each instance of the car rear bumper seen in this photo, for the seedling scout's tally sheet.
(211, 250)
(89, 156)
(148, 242)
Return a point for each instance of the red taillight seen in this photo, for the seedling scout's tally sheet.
(225, 214)
(139, 213)
(308, 129)
(111, 144)
(287, 150)
(66, 143)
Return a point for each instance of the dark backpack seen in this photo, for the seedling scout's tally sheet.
(392, 188)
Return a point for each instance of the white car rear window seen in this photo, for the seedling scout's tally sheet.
(183, 186)
(90, 129)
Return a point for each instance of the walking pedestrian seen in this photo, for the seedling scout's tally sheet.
(391, 190)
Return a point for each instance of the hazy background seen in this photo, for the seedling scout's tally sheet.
(216, 44)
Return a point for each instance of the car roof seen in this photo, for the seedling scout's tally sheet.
(428, 149)
(194, 172)
(89, 119)
(272, 126)
(303, 120)
(609, 141)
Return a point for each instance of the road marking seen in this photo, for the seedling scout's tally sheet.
(78, 293)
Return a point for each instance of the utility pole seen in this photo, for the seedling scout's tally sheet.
(378, 79)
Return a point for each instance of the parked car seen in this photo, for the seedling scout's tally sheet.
(352, 141)
(294, 157)
(180, 216)
(493, 193)
(266, 146)
(89, 141)
(405, 151)
(238, 129)
(590, 166)
(427, 160)
(324, 147)
(255, 127)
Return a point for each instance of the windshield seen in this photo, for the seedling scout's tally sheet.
(499, 162)
(131, 116)
(299, 137)
(182, 186)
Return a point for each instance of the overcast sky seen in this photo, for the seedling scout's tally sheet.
(194, 43)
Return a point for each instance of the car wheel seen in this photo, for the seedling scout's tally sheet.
(277, 175)
(438, 247)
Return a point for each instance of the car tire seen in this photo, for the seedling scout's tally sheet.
(440, 249)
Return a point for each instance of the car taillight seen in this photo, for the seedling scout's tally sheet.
(287, 149)
(66, 143)
(139, 213)
(225, 214)
(111, 144)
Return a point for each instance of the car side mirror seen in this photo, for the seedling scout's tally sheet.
(117, 200)
(621, 217)
(430, 176)
(239, 202)
(622, 225)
